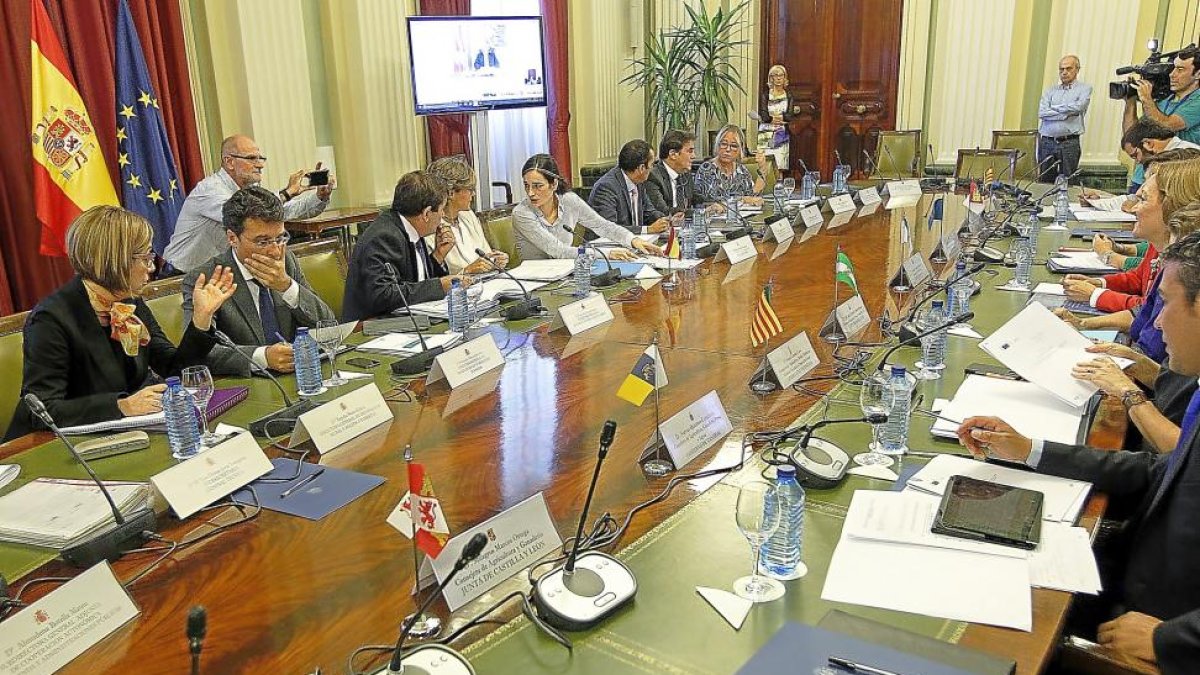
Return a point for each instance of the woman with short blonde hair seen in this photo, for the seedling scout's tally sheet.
(723, 176)
(460, 179)
(93, 350)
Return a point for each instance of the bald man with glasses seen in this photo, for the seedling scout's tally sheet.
(199, 232)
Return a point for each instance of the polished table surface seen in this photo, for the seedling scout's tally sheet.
(287, 595)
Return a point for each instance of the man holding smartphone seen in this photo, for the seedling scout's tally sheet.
(199, 232)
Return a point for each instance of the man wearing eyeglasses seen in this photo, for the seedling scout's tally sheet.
(199, 232)
(272, 298)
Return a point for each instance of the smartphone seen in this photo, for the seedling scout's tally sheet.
(364, 363)
(318, 178)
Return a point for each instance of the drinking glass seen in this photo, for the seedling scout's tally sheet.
(329, 337)
(474, 295)
(198, 382)
(789, 185)
(873, 397)
(757, 523)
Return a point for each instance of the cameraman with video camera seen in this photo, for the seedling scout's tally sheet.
(1179, 111)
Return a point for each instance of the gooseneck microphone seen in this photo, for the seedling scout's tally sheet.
(806, 432)
(127, 532)
(519, 310)
(433, 657)
(907, 330)
(197, 627)
(895, 167)
(417, 363)
(874, 168)
(945, 325)
(291, 411)
(591, 586)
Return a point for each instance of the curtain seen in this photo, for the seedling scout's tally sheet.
(558, 91)
(87, 31)
(448, 134)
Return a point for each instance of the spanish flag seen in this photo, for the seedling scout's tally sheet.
(69, 174)
(642, 380)
(671, 250)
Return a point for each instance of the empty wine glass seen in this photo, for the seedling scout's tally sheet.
(757, 524)
(789, 184)
(873, 397)
(198, 382)
(474, 295)
(329, 336)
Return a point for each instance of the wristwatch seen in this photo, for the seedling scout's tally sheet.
(1132, 398)
(283, 194)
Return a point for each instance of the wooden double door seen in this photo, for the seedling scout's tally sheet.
(843, 62)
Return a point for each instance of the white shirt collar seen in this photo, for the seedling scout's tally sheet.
(410, 231)
(242, 269)
(672, 173)
(630, 186)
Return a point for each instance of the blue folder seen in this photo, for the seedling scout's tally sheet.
(797, 648)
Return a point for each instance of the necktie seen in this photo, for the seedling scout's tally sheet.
(266, 311)
(1175, 459)
(422, 260)
(677, 188)
(633, 206)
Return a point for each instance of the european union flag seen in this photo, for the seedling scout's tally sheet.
(935, 212)
(149, 180)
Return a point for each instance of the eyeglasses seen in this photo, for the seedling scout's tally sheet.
(146, 259)
(263, 242)
(250, 158)
(729, 146)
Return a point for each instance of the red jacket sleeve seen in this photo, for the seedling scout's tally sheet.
(1127, 290)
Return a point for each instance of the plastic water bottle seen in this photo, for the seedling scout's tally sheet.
(1033, 228)
(183, 426)
(839, 179)
(780, 193)
(732, 216)
(687, 240)
(960, 291)
(583, 273)
(1023, 254)
(456, 307)
(308, 363)
(808, 184)
(933, 346)
(1062, 204)
(893, 435)
(781, 553)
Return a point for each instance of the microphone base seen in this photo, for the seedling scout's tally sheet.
(908, 333)
(111, 544)
(606, 279)
(432, 660)
(417, 364)
(522, 309)
(598, 588)
(262, 425)
(707, 251)
(987, 254)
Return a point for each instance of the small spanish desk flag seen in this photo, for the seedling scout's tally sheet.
(671, 250)
(642, 380)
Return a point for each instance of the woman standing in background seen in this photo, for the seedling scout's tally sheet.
(774, 113)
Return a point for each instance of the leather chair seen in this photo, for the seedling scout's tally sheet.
(498, 228)
(1024, 142)
(973, 164)
(164, 297)
(324, 266)
(899, 154)
(12, 362)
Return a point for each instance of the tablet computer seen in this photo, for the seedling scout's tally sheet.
(985, 511)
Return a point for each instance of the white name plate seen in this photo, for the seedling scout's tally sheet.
(869, 196)
(466, 361)
(738, 250)
(904, 188)
(902, 201)
(793, 360)
(695, 429)
(852, 315)
(950, 246)
(192, 485)
(345, 417)
(917, 269)
(518, 537)
(841, 203)
(585, 314)
(780, 230)
(811, 216)
(48, 634)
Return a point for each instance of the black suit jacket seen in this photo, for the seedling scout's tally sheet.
(79, 372)
(610, 198)
(369, 290)
(1163, 537)
(239, 319)
(765, 116)
(658, 189)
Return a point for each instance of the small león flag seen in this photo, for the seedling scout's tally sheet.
(844, 271)
(425, 510)
(766, 324)
(647, 375)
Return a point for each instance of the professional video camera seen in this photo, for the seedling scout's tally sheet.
(1156, 70)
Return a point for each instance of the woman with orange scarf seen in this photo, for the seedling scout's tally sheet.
(93, 350)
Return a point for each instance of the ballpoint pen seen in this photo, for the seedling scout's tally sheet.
(304, 481)
(846, 664)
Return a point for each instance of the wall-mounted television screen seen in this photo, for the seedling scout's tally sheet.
(473, 63)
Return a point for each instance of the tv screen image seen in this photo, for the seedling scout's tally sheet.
(469, 64)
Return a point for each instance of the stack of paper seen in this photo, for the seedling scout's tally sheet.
(408, 343)
(1031, 410)
(1111, 203)
(153, 420)
(1064, 498)
(8, 473)
(544, 270)
(59, 513)
(1084, 260)
(1103, 216)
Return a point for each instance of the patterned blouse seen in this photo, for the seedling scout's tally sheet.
(713, 185)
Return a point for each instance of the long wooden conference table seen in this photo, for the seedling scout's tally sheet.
(288, 595)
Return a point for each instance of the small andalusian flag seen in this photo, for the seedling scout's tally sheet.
(671, 250)
(843, 271)
(425, 511)
(989, 176)
(647, 375)
(765, 325)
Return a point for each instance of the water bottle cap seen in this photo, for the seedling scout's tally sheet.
(937, 304)
(454, 283)
(897, 371)
(960, 265)
(581, 250)
(785, 470)
(301, 331)
(173, 382)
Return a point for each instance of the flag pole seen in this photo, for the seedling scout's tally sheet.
(762, 386)
(655, 464)
(423, 626)
(835, 334)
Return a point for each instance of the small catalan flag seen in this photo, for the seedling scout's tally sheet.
(765, 325)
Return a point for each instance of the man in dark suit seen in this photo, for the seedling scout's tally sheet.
(397, 236)
(1155, 596)
(272, 298)
(670, 186)
(619, 196)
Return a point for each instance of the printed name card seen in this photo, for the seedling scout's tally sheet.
(738, 250)
(695, 429)
(517, 537)
(950, 246)
(780, 230)
(194, 484)
(918, 271)
(904, 188)
(345, 417)
(811, 216)
(869, 196)
(793, 360)
(585, 314)
(47, 635)
(466, 361)
(852, 315)
(902, 201)
(841, 203)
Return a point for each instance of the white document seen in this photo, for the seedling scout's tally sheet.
(811, 216)
(544, 270)
(466, 361)
(1049, 289)
(731, 607)
(907, 518)
(661, 263)
(119, 424)
(964, 330)
(194, 484)
(793, 360)
(8, 473)
(1031, 410)
(1063, 497)
(586, 313)
(61, 512)
(1043, 348)
(408, 343)
(1064, 560)
(1113, 203)
(841, 204)
(695, 429)
(1105, 217)
(348, 416)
